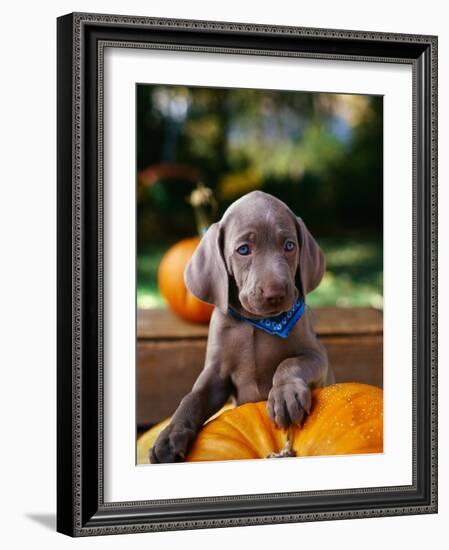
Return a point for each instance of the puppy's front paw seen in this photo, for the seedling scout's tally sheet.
(172, 444)
(289, 402)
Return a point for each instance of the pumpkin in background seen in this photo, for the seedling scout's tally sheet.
(172, 287)
(344, 419)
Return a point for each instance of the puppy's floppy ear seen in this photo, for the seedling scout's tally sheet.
(205, 274)
(312, 263)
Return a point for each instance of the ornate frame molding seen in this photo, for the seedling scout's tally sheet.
(81, 42)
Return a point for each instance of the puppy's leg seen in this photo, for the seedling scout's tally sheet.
(208, 395)
(290, 398)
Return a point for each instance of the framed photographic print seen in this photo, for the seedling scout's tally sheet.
(247, 288)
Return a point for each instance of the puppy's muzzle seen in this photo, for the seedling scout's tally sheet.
(273, 294)
(269, 297)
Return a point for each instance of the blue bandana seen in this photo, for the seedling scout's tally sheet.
(280, 325)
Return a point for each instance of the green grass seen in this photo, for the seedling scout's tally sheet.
(148, 295)
(353, 275)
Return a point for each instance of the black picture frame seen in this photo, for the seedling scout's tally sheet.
(81, 509)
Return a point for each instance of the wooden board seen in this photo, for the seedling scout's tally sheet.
(154, 324)
(171, 352)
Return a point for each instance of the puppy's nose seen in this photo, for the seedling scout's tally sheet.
(274, 293)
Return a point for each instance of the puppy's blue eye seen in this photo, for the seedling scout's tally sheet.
(289, 246)
(243, 250)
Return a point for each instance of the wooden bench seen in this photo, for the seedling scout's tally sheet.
(170, 354)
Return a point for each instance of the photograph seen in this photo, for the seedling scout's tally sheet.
(259, 291)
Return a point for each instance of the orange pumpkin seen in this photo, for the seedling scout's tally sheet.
(172, 287)
(344, 419)
(147, 439)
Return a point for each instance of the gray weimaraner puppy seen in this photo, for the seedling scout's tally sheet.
(256, 266)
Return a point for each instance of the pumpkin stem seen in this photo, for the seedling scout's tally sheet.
(204, 205)
(287, 450)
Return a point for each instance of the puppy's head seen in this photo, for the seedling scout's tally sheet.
(257, 259)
